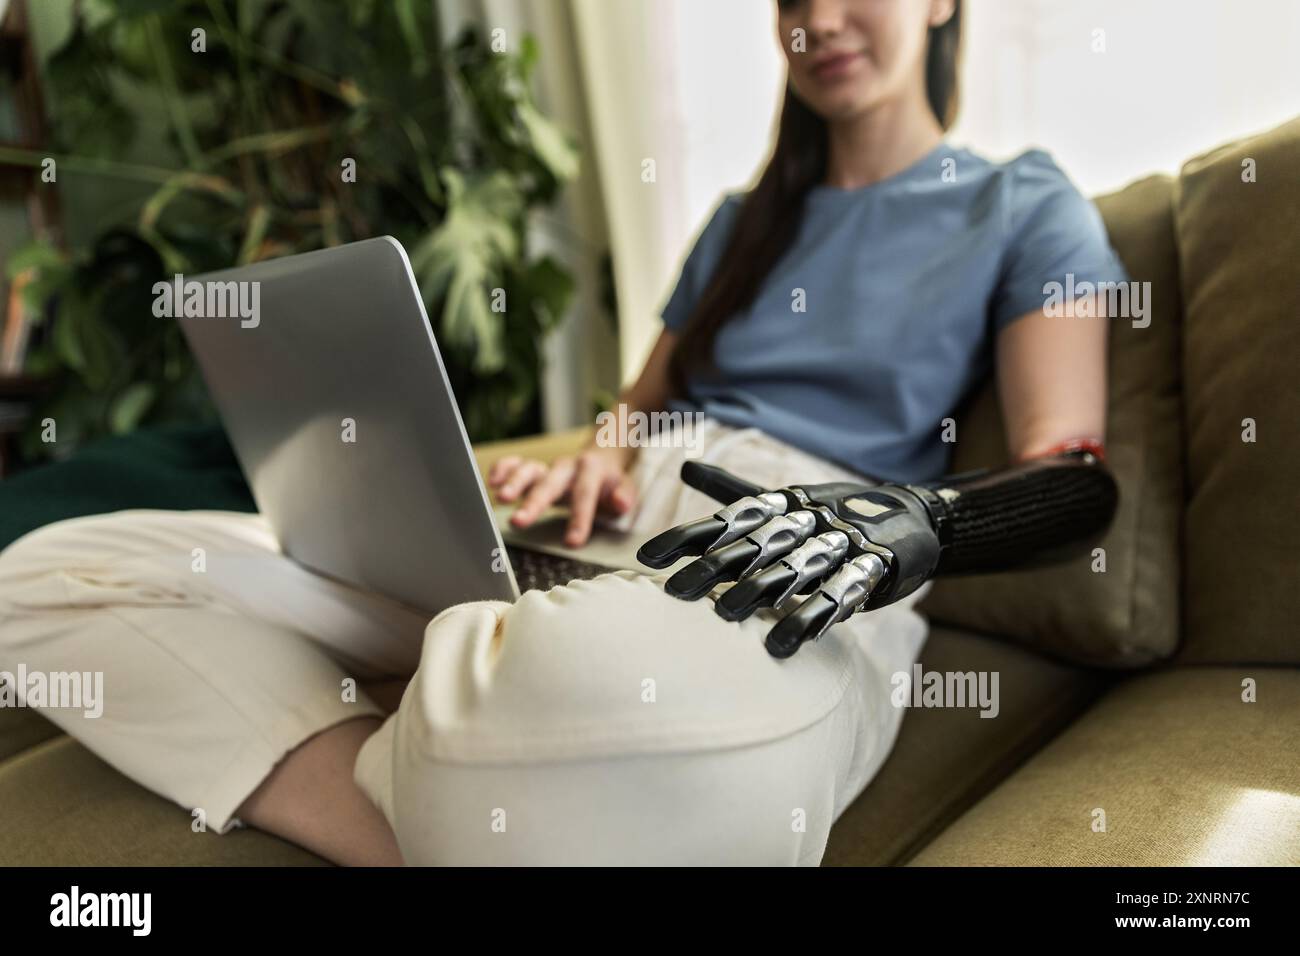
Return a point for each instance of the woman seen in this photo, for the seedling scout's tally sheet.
(825, 324)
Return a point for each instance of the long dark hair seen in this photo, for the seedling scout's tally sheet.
(770, 214)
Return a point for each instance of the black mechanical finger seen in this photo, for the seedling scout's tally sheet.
(717, 483)
(774, 538)
(695, 537)
(734, 521)
(754, 592)
(843, 593)
(704, 574)
(773, 585)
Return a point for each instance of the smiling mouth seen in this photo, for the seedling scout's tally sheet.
(837, 66)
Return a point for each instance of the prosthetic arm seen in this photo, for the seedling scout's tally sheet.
(852, 547)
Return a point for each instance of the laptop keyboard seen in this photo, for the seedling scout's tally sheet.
(538, 571)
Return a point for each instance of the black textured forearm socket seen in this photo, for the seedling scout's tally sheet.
(1041, 511)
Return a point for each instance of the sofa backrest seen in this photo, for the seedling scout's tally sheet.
(1237, 211)
(1128, 613)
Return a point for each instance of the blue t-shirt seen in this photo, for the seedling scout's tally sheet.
(905, 283)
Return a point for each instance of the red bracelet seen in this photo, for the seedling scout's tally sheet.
(1093, 446)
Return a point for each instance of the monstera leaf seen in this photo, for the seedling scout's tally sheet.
(551, 144)
(461, 262)
(516, 133)
(553, 147)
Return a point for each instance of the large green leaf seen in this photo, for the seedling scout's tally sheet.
(51, 273)
(130, 406)
(553, 147)
(462, 261)
(36, 254)
(48, 283)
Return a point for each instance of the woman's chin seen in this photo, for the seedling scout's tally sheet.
(846, 106)
(839, 102)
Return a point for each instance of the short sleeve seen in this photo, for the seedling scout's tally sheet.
(1053, 233)
(700, 263)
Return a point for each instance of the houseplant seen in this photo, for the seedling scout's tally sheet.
(290, 125)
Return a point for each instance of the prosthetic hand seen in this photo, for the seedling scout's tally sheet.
(850, 547)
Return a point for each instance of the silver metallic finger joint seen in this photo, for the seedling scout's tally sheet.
(746, 515)
(814, 559)
(850, 586)
(778, 537)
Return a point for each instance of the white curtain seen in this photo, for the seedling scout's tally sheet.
(692, 85)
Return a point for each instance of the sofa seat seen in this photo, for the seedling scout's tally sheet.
(20, 730)
(1186, 772)
(63, 806)
(944, 761)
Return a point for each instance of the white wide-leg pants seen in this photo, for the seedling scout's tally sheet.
(601, 722)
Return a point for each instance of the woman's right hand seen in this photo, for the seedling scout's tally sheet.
(596, 479)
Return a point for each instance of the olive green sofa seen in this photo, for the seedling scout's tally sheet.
(1149, 692)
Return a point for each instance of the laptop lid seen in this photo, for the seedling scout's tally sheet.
(326, 372)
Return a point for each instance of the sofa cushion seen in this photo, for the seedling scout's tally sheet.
(63, 806)
(1127, 615)
(1186, 772)
(174, 467)
(947, 758)
(22, 728)
(1240, 245)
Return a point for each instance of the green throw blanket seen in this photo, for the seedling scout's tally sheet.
(178, 468)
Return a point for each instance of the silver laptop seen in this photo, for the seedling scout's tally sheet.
(329, 381)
